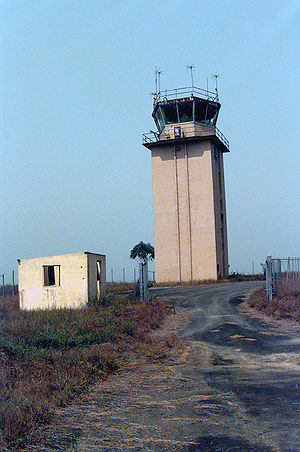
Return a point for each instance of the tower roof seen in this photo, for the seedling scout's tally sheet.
(192, 105)
(185, 105)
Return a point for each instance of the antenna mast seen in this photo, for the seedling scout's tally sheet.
(158, 75)
(157, 84)
(216, 76)
(191, 68)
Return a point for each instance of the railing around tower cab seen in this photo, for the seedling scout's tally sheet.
(188, 91)
(222, 137)
(188, 131)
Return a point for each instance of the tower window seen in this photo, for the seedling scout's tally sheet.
(170, 112)
(51, 275)
(186, 111)
(159, 119)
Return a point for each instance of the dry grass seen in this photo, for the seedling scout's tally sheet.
(286, 305)
(234, 277)
(120, 287)
(49, 357)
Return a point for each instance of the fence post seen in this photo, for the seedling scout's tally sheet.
(13, 282)
(144, 291)
(276, 267)
(3, 285)
(269, 287)
(112, 275)
(124, 279)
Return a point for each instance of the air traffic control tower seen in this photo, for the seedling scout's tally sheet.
(190, 233)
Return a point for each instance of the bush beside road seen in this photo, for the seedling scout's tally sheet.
(286, 305)
(50, 357)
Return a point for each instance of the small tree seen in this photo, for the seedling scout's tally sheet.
(143, 252)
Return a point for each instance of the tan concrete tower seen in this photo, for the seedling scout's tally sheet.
(190, 234)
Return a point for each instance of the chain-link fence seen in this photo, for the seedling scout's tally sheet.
(8, 289)
(117, 275)
(282, 275)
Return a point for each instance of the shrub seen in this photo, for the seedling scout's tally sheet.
(285, 305)
(48, 357)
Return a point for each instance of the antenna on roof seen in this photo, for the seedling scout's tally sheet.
(191, 68)
(157, 81)
(216, 76)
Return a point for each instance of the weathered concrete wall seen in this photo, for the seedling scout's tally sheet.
(188, 129)
(202, 210)
(166, 234)
(220, 213)
(71, 281)
(184, 212)
(190, 230)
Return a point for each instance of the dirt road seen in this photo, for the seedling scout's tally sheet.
(232, 384)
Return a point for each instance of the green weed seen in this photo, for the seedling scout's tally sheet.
(48, 357)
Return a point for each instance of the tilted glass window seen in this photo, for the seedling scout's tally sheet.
(185, 111)
(170, 112)
(159, 118)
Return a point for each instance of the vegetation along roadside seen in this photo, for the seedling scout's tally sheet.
(49, 357)
(286, 304)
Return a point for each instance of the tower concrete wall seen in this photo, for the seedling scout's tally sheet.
(184, 211)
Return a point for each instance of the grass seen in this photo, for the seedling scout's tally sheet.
(234, 277)
(120, 287)
(286, 305)
(49, 357)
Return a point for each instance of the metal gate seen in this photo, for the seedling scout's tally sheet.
(282, 275)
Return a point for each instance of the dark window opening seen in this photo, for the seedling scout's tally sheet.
(51, 275)
(160, 120)
(185, 111)
(200, 110)
(205, 112)
(170, 112)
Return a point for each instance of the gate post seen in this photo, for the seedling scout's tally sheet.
(276, 276)
(269, 285)
(144, 291)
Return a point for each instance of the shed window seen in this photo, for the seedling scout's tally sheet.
(51, 275)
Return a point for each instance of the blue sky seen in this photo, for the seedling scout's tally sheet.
(76, 78)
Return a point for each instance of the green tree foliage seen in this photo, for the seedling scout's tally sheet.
(143, 252)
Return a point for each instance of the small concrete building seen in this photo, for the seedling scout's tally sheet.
(68, 280)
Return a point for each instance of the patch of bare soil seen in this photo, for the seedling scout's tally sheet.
(105, 418)
(283, 325)
(159, 401)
